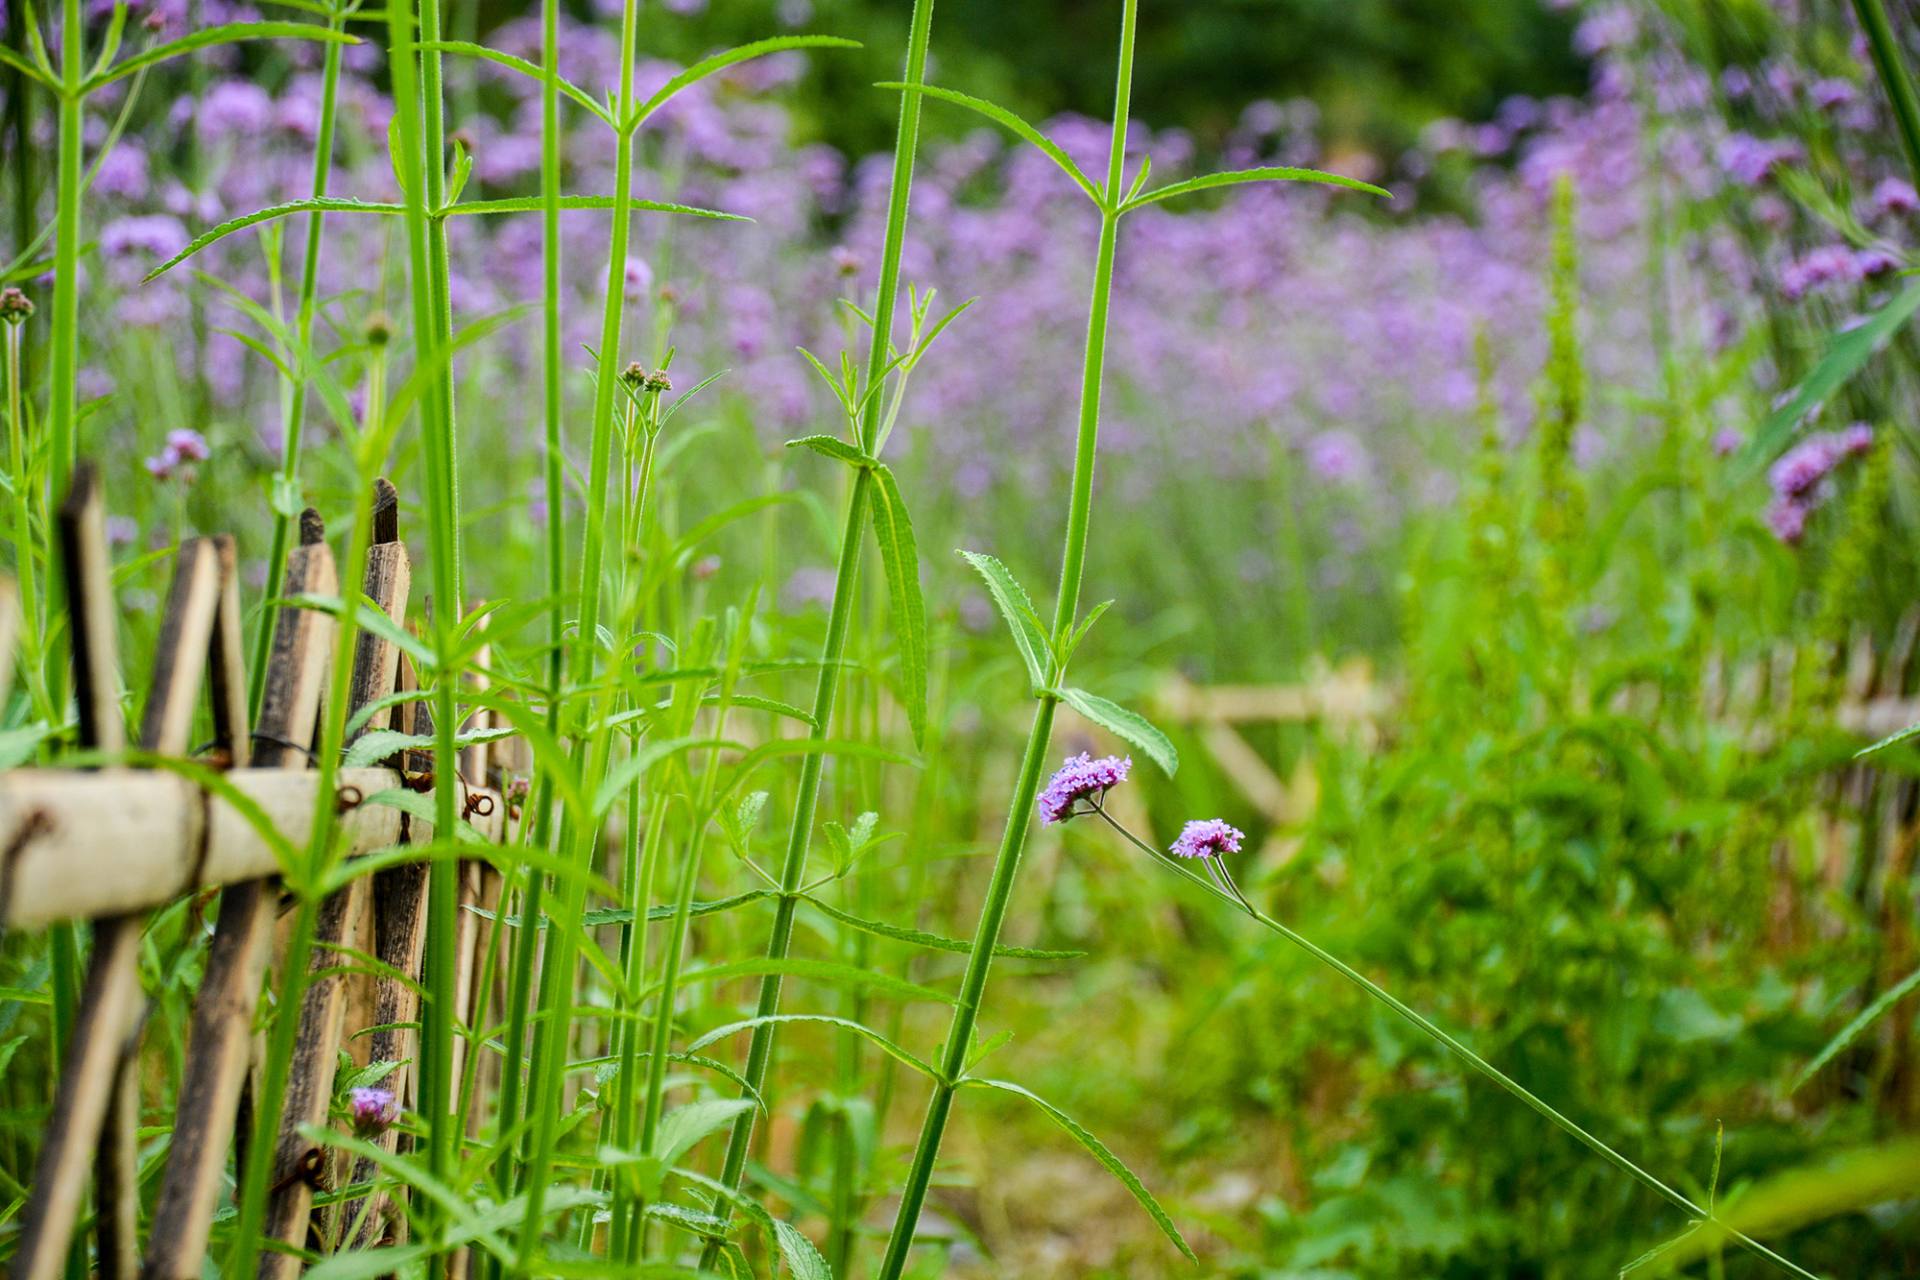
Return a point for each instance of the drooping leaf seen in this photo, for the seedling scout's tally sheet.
(320, 204)
(532, 70)
(372, 747)
(226, 33)
(1846, 355)
(1011, 122)
(419, 805)
(720, 61)
(932, 941)
(531, 204)
(1238, 177)
(845, 1024)
(1135, 729)
(827, 971)
(1099, 1151)
(1011, 599)
(900, 561)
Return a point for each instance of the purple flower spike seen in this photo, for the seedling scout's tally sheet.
(372, 1109)
(1207, 838)
(1081, 778)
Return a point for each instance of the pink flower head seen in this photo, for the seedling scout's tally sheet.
(1788, 520)
(1081, 778)
(187, 445)
(1895, 196)
(1207, 838)
(372, 1109)
(1727, 442)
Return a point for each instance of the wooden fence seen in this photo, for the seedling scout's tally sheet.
(112, 844)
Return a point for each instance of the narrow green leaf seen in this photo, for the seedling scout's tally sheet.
(845, 1024)
(932, 941)
(1131, 726)
(1013, 123)
(226, 33)
(1238, 177)
(827, 971)
(720, 61)
(641, 762)
(831, 447)
(900, 560)
(1099, 1152)
(531, 204)
(1011, 599)
(419, 805)
(1848, 1034)
(532, 70)
(1893, 739)
(10, 59)
(1846, 356)
(321, 204)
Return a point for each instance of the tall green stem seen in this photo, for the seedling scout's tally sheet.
(66, 249)
(429, 324)
(1893, 76)
(296, 403)
(1006, 864)
(845, 583)
(527, 944)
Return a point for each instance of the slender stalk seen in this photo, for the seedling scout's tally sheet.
(296, 403)
(845, 584)
(1006, 865)
(1227, 891)
(557, 974)
(1893, 76)
(429, 323)
(526, 949)
(66, 249)
(25, 545)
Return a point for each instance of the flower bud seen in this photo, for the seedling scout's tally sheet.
(15, 305)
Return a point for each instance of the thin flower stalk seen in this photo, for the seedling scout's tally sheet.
(1006, 866)
(61, 418)
(294, 418)
(1219, 882)
(526, 948)
(28, 547)
(793, 864)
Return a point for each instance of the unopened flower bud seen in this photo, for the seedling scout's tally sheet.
(658, 381)
(379, 329)
(373, 1110)
(15, 305)
(634, 375)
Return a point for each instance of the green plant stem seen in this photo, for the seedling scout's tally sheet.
(296, 404)
(429, 322)
(66, 250)
(527, 944)
(845, 584)
(1893, 77)
(439, 276)
(25, 545)
(1006, 864)
(1229, 893)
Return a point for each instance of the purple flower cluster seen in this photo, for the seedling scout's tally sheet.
(183, 448)
(1207, 838)
(1081, 780)
(1799, 478)
(371, 1110)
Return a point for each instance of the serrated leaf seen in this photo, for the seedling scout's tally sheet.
(814, 971)
(1846, 356)
(1098, 1150)
(372, 747)
(1132, 727)
(636, 766)
(900, 561)
(1011, 599)
(1851, 1032)
(226, 33)
(685, 1125)
(419, 805)
(803, 1260)
(532, 204)
(1265, 173)
(1011, 122)
(322, 204)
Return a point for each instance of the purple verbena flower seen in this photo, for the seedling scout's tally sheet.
(187, 445)
(1895, 196)
(1818, 268)
(1727, 442)
(1788, 520)
(373, 1110)
(1207, 838)
(1081, 778)
(1874, 263)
